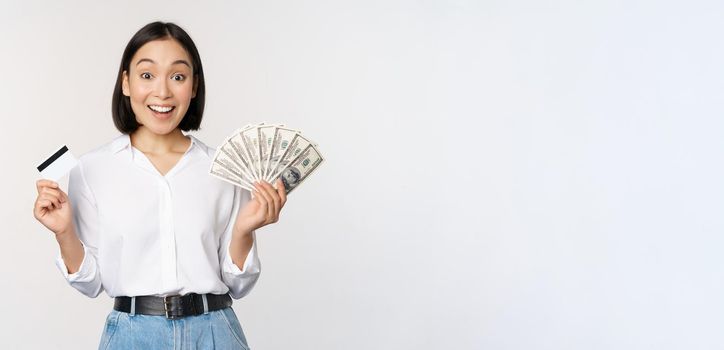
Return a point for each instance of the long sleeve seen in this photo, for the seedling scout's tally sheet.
(239, 281)
(87, 279)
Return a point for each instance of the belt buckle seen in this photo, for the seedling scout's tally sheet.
(175, 305)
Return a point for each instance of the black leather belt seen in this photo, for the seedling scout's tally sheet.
(173, 306)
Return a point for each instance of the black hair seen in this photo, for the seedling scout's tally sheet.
(123, 116)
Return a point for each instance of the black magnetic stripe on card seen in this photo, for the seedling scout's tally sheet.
(52, 158)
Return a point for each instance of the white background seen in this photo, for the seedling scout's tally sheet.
(499, 174)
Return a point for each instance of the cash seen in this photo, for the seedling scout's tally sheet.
(266, 152)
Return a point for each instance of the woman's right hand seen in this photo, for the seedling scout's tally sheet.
(52, 207)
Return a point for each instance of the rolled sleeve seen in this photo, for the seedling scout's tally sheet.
(251, 264)
(86, 273)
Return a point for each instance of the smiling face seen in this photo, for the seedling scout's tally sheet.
(160, 85)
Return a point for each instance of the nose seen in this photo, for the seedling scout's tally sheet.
(162, 89)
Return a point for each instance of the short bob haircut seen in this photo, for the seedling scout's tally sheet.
(123, 116)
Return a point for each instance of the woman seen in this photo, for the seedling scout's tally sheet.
(144, 221)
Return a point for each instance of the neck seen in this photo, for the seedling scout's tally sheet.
(147, 141)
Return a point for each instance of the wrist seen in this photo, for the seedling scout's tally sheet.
(65, 235)
(242, 231)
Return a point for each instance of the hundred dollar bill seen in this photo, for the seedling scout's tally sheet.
(236, 142)
(250, 138)
(231, 156)
(266, 135)
(281, 140)
(226, 160)
(219, 171)
(296, 146)
(300, 168)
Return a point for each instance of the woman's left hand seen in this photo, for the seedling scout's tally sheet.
(263, 209)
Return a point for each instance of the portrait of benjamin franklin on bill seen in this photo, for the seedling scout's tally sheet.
(291, 177)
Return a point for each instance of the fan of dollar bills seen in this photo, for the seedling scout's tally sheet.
(265, 152)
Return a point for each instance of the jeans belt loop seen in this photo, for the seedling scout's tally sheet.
(133, 306)
(206, 304)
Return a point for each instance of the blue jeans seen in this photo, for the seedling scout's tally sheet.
(218, 329)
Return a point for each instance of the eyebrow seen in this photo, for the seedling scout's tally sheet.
(174, 62)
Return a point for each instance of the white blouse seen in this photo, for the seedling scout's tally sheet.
(148, 234)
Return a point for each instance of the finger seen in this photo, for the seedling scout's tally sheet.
(54, 192)
(38, 210)
(270, 204)
(275, 198)
(64, 196)
(45, 183)
(41, 203)
(261, 209)
(55, 200)
(262, 200)
(45, 204)
(270, 189)
(282, 192)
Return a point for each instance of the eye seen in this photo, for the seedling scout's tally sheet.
(143, 75)
(179, 76)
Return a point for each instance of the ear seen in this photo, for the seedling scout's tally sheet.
(124, 85)
(196, 86)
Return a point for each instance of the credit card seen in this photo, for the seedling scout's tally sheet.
(57, 165)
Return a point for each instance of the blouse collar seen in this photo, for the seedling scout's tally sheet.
(123, 141)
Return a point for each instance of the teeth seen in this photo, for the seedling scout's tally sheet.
(160, 109)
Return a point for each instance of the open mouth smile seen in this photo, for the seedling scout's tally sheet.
(161, 109)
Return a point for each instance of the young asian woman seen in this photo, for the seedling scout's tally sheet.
(143, 221)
